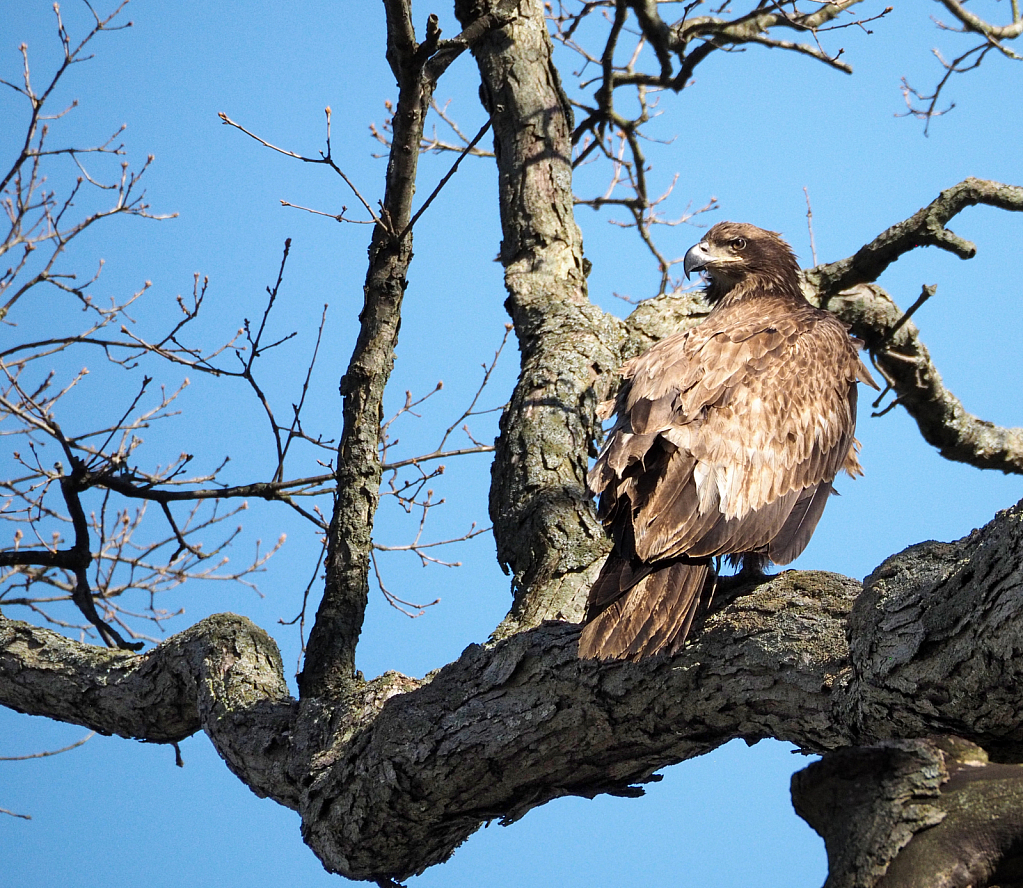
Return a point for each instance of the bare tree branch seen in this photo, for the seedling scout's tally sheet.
(325, 158)
(390, 775)
(992, 37)
(48, 753)
(104, 556)
(330, 653)
(617, 137)
(925, 228)
(847, 288)
(907, 367)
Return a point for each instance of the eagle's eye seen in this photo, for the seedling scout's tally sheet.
(739, 243)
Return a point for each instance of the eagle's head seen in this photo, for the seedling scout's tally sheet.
(736, 253)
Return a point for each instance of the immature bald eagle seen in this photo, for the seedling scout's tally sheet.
(726, 442)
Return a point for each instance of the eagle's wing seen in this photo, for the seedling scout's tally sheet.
(729, 435)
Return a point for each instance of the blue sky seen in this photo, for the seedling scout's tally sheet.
(753, 131)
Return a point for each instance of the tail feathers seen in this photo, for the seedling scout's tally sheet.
(654, 615)
(800, 525)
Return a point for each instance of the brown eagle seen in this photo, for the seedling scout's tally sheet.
(726, 441)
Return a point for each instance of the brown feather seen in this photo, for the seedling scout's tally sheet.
(800, 525)
(647, 618)
(726, 440)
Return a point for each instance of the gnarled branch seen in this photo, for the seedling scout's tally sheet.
(846, 287)
(390, 777)
(223, 675)
(926, 228)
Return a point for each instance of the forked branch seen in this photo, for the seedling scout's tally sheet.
(991, 38)
(847, 287)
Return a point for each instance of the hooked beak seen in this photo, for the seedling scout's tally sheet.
(696, 259)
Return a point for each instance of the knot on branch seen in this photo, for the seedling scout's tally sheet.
(942, 237)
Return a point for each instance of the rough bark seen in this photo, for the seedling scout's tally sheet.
(330, 655)
(390, 778)
(223, 675)
(929, 813)
(936, 631)
(867, 803)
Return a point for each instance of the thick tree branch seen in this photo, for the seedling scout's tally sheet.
(867, 803)
(223, 675)
(979, 838)
(915, 814)
(391, 776)
(515, 724)
(330, 655)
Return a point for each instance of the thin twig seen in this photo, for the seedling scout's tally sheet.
(444, 180)
(324, 158)
(47, 753)
(809, 224)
